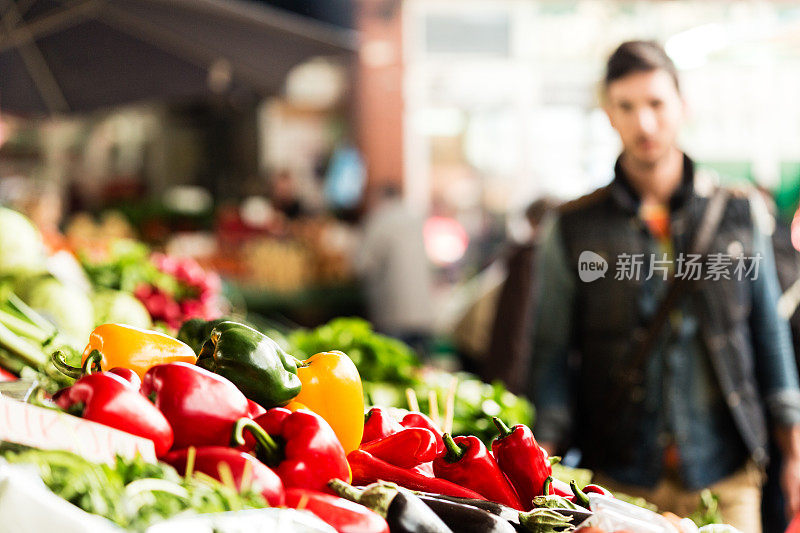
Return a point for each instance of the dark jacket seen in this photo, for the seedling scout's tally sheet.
(509, 341)
(749, 351)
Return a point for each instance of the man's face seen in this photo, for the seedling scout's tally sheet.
(647, 111)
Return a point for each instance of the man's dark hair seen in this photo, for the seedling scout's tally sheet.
(638, 56)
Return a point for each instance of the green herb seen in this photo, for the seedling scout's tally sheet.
(388, 366)
(132, 493)
(127, 266)
(476, 403)
(377, 357)
(707, 512)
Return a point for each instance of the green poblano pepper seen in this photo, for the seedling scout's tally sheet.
(253, 362)
(196, 331)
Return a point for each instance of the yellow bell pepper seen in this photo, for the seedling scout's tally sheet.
(134, 348)
(332, 389)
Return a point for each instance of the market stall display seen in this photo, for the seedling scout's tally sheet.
(389, 369)
(171, 289)
(236, 421)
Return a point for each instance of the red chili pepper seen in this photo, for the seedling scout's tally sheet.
(468, 463)
(243, 467)
(597, 489)
(419, 420)
(369, 469)
(425, 469)
(128, 375)
(309, 454)
(522, 460)
(108, 399)
(5, 375)
(201, 406)
(406, 449)
(343, 515)
(379, 424)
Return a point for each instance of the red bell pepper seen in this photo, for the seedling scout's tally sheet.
(522, 460)
(406, 449)
(201, 406)
(5, 375)
(243, 467)
(415, 419)
(309, 454)
(128, 375)
(254, 410)
(343, 515)
(379, 424)
(369, 469)
(108, 399)
(468, 463)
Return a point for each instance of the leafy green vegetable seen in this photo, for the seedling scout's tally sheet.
(132, 493)
(476, 403)
(473, 412)
(128, 265)
(707, 512)
(377, 357)
(388, 367)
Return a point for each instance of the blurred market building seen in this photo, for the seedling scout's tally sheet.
(260, 158)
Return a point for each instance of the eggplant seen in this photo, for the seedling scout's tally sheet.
(467, 518)
(402, 509)
(578, 515)
(409, 514)
(503, 511)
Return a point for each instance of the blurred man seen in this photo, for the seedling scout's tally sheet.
(678, 372)
(509, 351)
(394, 268)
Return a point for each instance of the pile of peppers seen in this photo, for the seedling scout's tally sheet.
(226, 401)
(220, 412)
(516, 473)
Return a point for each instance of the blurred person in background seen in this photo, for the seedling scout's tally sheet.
(665, 388)
(787, 264)
(787, 258)
(394, 268)
(509, 350)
